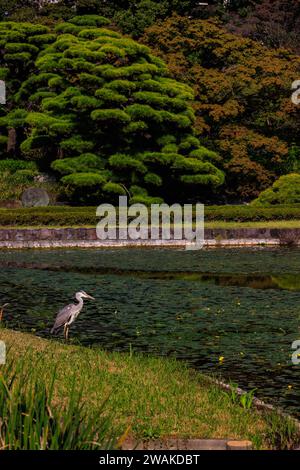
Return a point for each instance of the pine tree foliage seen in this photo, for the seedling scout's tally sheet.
(102, 112)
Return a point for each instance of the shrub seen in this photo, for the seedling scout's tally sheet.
(89, 20)
(84, 186)
(152, 178)
(84, 179)
(114, 188)
(12, 166)
(81, 164)
(146, 200)
(286, 190)
(76, 144)
(125, 162)
(249, 213)
(109, 115)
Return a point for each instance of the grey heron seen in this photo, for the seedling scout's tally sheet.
(68, 314)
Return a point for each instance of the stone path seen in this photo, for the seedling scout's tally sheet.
(187, 444)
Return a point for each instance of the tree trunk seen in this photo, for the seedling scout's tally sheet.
(12, 140)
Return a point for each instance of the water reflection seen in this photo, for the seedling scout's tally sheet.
(240, 304)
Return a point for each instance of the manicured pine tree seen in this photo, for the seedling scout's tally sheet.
(102, 111)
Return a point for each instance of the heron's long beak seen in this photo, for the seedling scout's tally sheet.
(90, 297)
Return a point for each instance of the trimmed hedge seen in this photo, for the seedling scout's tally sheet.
(67, 215)
(247, 213)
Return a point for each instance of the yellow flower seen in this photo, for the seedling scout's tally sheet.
(221, 358)
(290, 386)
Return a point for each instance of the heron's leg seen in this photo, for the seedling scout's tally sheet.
(65, 331)
(2, 310)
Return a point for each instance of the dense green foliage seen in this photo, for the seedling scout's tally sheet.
(102, 112)
(242, 99)
(286, 190)
(274, 23)
(104, 115)
(132, 16)
(17, 175)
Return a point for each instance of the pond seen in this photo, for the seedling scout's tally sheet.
(239, 304)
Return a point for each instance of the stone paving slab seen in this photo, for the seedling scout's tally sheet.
(186, 444)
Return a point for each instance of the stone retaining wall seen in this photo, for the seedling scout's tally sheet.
(86, 238)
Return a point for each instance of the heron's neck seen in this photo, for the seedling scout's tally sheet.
(79, 299)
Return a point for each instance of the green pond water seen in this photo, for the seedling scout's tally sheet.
(242, 304)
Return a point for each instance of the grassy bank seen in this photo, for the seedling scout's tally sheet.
(218, 224)
(149, 397)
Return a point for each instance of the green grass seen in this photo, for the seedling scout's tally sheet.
(263, 224)
(152, 397)
(218, 224)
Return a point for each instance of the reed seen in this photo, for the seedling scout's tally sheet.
(30, 419)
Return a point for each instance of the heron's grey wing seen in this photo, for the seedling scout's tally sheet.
(62, 317)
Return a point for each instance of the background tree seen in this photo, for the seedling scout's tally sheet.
(274, 23)
(20, 45)
(243, 98)
(102, 112)
(18, 9)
